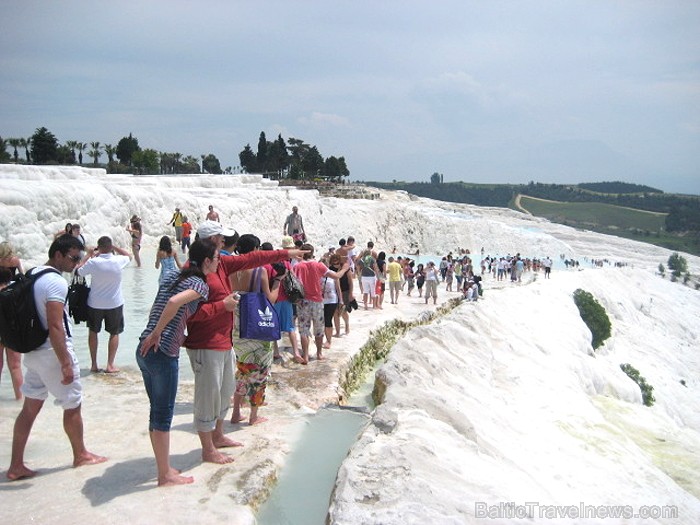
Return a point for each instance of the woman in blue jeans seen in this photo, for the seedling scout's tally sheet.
(159, 349)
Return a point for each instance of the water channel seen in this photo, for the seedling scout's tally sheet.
(302, 493)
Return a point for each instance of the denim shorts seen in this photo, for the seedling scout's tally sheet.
(160, 374)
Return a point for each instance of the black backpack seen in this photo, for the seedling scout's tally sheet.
(20, 327)
(78, 293)
(293, 287)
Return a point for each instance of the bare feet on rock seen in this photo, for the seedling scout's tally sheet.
(216, 457)
(20, 472)
(173, 477)
(224, 442)
(257, 421)
(88, 458)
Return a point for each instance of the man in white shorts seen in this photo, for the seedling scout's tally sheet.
(53, 367)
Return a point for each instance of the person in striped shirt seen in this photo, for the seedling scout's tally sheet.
(159, 348)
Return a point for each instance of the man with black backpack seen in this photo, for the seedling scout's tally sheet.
(52, 367)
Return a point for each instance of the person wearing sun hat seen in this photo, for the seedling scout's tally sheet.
(210, 346)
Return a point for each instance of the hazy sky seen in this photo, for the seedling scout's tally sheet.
(478, 91)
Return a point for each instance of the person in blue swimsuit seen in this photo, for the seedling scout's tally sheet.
(166, 258)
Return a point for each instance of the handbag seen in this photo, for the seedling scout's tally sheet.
(78, 293)
(258, 318)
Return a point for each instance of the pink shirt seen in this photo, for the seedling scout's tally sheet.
(310, 273)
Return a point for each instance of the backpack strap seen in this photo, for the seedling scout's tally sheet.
(35, 276)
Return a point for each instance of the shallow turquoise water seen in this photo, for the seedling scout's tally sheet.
(302, 494)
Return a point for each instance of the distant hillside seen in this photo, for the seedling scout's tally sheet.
(678, 229)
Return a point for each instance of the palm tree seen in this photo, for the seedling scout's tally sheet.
(80, 146)
(26, 144)
(110, 151)
(176, 162)
(15, 143)
(72, 144)
(95, 152)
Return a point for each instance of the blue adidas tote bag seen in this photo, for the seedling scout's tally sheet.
(257, 316)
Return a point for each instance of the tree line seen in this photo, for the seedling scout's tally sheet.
(127, 156)
(294, 159)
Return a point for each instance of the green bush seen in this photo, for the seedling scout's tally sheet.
(594, 315)
(678, 264)
(646, 388)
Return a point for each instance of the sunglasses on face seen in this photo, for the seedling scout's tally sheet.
(75, 258)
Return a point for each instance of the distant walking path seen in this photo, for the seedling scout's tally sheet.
(519, 206)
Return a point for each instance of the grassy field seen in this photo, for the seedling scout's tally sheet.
(595, 214)
(633, 224)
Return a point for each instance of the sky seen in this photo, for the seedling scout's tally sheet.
(487, 92)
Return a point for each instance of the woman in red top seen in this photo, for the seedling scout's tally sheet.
(209, 343)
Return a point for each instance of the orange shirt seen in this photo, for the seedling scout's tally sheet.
(186, 229)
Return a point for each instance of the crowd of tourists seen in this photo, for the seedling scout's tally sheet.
(202, 305)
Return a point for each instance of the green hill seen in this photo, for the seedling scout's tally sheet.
(627, 210)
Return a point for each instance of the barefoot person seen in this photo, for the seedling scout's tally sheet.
(106, 301)
(310, 308)
(53, 367)
(10, 266)
(209, 345)
(14, 359)
(159, 348)
(136, 231)
(253, 358)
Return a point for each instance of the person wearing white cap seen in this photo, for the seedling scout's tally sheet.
(209, 344)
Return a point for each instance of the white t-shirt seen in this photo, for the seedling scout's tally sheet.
(351, 257)
(330, 294)
(106, 282)
(51, 287)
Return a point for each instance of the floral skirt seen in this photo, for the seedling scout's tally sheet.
(253, 364)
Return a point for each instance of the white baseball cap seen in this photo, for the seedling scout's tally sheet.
(210, 228)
